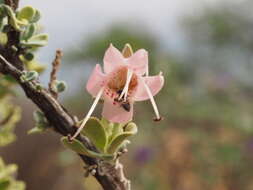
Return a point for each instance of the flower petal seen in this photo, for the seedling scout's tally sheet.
(138, 61)
(155, 83)
(116, 113)
(112, 59)
(96, 81)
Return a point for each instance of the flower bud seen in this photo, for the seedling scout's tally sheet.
(127, 51)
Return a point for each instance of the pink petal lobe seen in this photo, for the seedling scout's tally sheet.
(155, 84)
(115, 113)
(96, 80)
(112, 59)
(138, 61)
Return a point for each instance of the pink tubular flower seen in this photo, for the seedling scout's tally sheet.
(124, 80)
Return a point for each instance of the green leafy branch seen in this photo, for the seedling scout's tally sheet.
(108, 138)
(24, 21)
(20, 37)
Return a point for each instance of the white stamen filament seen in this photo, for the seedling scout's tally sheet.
(89, 113)
(158, 117)
(147, 70)
(125, 89)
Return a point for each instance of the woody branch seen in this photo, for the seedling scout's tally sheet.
(60, 119)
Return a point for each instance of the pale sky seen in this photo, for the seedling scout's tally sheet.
(67, 21)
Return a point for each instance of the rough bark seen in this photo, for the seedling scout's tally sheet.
(59, 118)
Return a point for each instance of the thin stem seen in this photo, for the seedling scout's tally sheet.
(55, 67)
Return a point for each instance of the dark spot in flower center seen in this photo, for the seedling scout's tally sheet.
(126, 106)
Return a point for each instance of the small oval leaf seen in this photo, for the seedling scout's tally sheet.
(108, 126)
(59, 86)
(26, 13)
(29, 32)
(36, 130)
(116, 143)
(36, 41)
(116, 130)
(131, 127)
(3, 38)
(95, 131)
(36, 16)
(29, 76)
(39, 116)
(78, 147)
(13, 20)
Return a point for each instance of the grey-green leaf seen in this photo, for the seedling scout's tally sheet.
(13, 20)
(37, 129)
(36, 41)
(29, 76)
(26, 13)
(3, 38)
(116, 130)
(60, 86)
(38, 116)
(108, 126)
(131, 128)
(29, 32)
(36, 16)
(41, 123)
(78, 147)
(116, 143)
(95, 131)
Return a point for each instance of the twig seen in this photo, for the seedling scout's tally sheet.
(63, 123)
(58, 117)
(55, 67)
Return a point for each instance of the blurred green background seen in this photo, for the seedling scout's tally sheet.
(206, 138)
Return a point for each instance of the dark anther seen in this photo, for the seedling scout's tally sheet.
(158, 119)
(119, 91)
(70, 138)
(126, 106)
(117, 100)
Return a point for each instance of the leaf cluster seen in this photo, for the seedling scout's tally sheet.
(107, 137)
